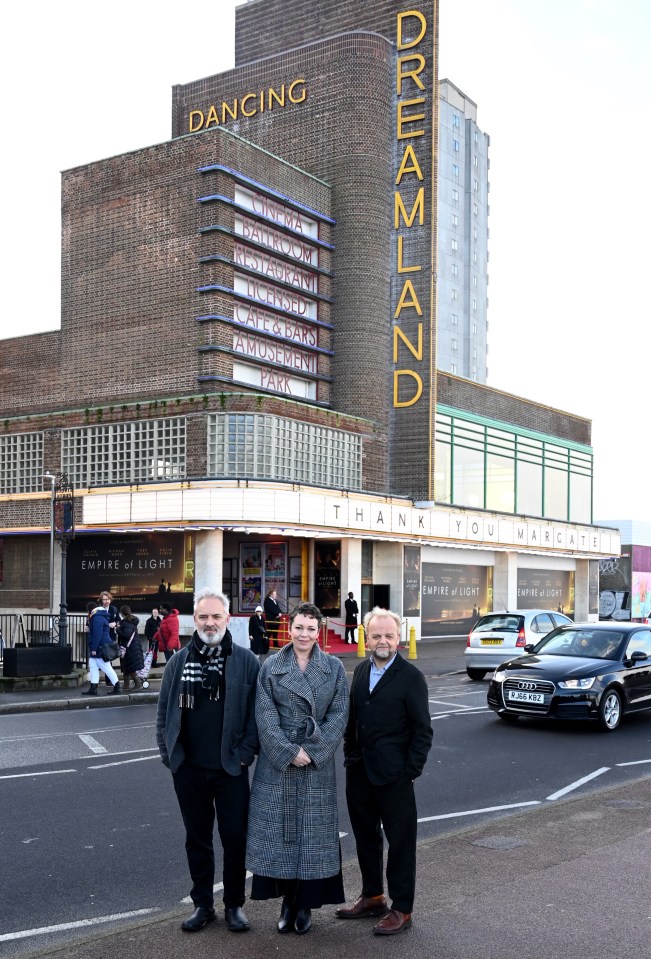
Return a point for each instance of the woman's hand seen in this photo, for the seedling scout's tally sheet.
(301, 759)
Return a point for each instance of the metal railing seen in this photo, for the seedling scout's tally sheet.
(41, 629)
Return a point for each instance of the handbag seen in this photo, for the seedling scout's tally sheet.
(109, 651)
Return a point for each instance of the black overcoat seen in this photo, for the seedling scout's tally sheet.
(390, 729)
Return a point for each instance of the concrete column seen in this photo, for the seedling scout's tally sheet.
(351, 570)
(505, 582)
(582, 592)
(387, 568)
(209, 559)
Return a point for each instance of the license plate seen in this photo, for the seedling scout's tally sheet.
(521, 696)
(491, 642)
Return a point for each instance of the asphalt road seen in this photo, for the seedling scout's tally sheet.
(91, 827)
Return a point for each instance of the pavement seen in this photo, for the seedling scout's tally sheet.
(569, 877)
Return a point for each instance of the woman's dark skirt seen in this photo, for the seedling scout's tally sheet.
(302, 893)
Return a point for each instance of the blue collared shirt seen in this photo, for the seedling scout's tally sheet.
(376, 674)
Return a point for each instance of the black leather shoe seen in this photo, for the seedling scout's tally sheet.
(236, 920)
(199, 918)
(303, 921)
(287, 917)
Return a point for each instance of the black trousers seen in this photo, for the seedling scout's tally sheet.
(392, 806)
(350, 633)
(202, 793)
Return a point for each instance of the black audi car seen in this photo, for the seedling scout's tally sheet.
(582, 671)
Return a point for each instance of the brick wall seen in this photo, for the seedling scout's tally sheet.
(485, 401)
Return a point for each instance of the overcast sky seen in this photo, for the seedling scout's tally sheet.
(562, 88)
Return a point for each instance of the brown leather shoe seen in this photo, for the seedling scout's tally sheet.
(392, 923)
(363, 906)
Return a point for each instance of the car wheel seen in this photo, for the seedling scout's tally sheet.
(508, 717)
(610, 710)
(476, 673)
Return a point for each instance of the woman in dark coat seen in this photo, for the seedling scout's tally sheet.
(301, 711)
(129, 640)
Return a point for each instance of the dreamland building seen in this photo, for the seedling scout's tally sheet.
(244, 388)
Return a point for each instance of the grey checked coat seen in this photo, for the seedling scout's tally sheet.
(293, 826)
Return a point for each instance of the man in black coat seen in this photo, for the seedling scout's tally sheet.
(387, 739)
(352, 610)
(272, 614)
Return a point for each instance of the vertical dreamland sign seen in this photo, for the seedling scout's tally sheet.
(413, 253)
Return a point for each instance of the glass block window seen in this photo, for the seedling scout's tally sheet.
(125, 453)
(261, 446)
(21, 463)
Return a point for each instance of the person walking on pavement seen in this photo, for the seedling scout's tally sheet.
(207, 738)
(105, 599)
(99, 634)
(151, 628)
(258, 635)
(272, 614)
(387, 739)
(352, 610)
(167, 636)
(132, 659)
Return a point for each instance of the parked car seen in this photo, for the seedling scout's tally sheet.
(596, 671)
(496, 636)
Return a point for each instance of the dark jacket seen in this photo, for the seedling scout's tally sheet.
(167, 635)
(272, 614)
(239, 734)
(98, 629)
(258, 635)
(352, 610)
(133, 659)
(390, 729)
(151, 627)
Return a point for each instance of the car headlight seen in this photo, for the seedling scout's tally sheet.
(577, 683)
(499, 675)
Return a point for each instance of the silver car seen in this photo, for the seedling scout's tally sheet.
(496, 637)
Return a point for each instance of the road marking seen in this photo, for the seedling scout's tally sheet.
(462, 711)
(636, 762)
(441, 702)
(92, 743)
(80, 924)
(216, 888)
(478, 812)
(579, 782)
(125, 762)
(50, 772)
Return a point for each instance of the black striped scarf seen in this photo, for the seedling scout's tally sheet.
(204, 668)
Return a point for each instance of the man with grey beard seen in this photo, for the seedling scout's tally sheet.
(207, 737)
(386, 743)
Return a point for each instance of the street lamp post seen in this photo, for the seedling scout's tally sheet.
(52, 478)
(64, 530)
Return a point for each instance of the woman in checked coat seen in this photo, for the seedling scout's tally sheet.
(293, 836)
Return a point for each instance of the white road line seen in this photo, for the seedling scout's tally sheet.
(637, 762)
(125, 762)
(50, 772)
(478, 812)
(579, 782)
(80, 924)
(216, 888)
(92, 743)
(442, 702)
